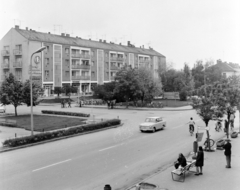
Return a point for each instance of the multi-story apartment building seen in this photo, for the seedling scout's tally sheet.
(70, 60)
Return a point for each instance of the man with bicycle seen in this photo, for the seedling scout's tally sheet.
(191, 125)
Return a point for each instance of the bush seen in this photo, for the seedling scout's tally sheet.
(60, 133)
(183, 95)
(65, 113)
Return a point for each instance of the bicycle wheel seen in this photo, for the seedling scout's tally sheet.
(212, 142)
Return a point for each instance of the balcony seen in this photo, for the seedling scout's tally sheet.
(144, 61)
(17, 52)
(81, 67)
(5, 65)
(114, 67)
(80, 77)
(17, 64)
(121, 59)
(5, 53)
(79, 55)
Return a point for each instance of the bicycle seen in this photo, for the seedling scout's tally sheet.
(211, 143)
(191, 129)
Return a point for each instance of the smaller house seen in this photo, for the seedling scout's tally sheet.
(228, 69)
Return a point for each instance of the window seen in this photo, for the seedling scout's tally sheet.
(67, 74)
(67, 50)
(47, 49)
(6, 48)
(19, 47)
(92, 63)
(93, 73)
(67, 62)
(92, 53)
(225, 75)
(46, 73)
(46, 61)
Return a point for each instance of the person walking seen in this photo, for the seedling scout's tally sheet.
(69, 103)
(199, 161)
(228, 152)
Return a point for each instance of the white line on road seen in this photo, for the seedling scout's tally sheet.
(51, 165)
(110, 147)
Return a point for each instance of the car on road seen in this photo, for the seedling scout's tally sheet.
(152, 124)
(2, 108)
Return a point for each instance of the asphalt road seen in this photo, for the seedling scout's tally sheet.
(120, 156)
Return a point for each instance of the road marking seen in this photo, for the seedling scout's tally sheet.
(110, 147)
(51, 165)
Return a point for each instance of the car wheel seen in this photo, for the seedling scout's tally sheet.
(154, 129)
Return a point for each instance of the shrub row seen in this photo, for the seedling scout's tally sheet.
(59, 133)
(65, 113)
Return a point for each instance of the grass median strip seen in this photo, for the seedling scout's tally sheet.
(46, 123)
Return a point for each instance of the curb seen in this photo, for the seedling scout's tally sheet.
(142, 109)
(60, 138)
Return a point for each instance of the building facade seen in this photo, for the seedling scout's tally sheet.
(70, 60)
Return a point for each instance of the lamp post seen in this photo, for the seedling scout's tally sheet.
(31, 93)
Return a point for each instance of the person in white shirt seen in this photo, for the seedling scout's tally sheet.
(191, 124)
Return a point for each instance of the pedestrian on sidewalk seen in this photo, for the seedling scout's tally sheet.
(228, 152)
(69, 103)
(181, 162)
(199, 161)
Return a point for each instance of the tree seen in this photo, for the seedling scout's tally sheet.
(68, 89)
(148, 86)
(11, 92)
(58, 90)
(127, 84)
(36, 92)
(217, 100)
(105, 91)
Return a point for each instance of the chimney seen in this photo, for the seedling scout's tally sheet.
(143, 46)
(49, 33)
(104, 41)
(26, 28)
(16, 26)
(62, 34)
(76, 36)
(100, 40)
(90, 39)
(128, 43)
(120, 43)
(67, 35)
(30, 29)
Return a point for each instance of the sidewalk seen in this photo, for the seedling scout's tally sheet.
(215, 175)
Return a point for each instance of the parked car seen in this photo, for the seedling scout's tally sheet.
(152, 124)
(2, 108)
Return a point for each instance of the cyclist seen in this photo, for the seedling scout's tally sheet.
(218, 125)
(191, 125)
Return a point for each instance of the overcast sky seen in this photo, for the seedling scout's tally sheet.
(182, 30)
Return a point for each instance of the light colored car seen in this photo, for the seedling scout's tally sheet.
(152, 124)
(2, 108)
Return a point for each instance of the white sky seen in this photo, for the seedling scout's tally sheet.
(182, 30)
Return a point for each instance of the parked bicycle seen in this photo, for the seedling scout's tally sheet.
(211, 143)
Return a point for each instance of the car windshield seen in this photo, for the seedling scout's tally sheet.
(150, 120)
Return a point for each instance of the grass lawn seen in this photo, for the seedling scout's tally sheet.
(173, 103)
(46, 123)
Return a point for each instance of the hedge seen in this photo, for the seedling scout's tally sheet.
(65, 113)
(59, 133)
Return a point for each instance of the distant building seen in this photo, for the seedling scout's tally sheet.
(228, 69)
(70, 60)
